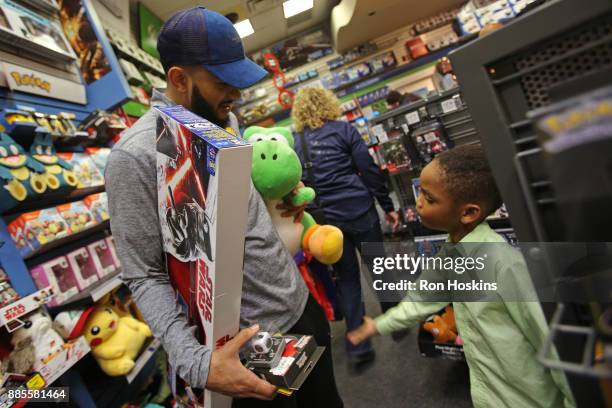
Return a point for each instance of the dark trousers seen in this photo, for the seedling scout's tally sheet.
(364, 229)
(319, 389)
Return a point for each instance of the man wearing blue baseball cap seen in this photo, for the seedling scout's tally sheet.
(205, 67)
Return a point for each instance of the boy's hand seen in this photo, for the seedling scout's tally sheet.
(392, 219)
(364, 332)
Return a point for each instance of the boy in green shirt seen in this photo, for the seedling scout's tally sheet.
(501, 338)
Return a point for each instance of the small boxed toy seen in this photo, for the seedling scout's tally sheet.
(77, 216)
(99, 155)
(284, 361)
(44, 226)
(86, 171)
(83, 266)
(103, 258)
(111, 246)
(58, 274)
(16, 230)
(98, 206)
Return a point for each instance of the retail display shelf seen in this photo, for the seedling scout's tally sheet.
(53, 199)
(72, 353)
(10, 314)
(61, 242)
(144, 357)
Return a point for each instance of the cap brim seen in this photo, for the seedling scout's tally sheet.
(239, 74)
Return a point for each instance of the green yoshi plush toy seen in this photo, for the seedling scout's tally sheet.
(276, 171)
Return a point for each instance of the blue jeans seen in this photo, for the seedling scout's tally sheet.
(364, 229)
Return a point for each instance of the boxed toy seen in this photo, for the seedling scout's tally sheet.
(438, 337)
(99, 155)
(43, 226)
(113, 250)
(284, 361)
(203, 182)
(58, 274)
(77, 216)
(87, 173)
(103, 258)
(429, 140)
(395, 155)
(98, 206)
(83, 266)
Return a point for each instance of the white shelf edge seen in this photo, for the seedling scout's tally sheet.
(99, 292)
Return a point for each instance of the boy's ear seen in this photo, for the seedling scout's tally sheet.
(471, 213)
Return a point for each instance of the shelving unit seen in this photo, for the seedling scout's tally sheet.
(143, 359)
(10, 314)
(92, 294)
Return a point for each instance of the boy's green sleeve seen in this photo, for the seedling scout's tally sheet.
(406, 314)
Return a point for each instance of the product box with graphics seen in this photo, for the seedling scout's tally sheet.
(86, 171)
(77, 216)
(103, 258)
(98, 206)
(58, 274)
(83, 266)
(203, 182)
(299, 356)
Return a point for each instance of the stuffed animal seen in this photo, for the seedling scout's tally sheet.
(58, 172)
(115, 341)
(276, 171)
(20, 176)
(38, 327)
(443, 328)
(22, 358)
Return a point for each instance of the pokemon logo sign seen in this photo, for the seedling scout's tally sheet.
(31, 80)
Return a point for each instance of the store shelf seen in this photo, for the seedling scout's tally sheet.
(30, 47)
(92, 294)
(10, 314)
(42, 5)
(62, 242)
(52, 199)
(144, 357)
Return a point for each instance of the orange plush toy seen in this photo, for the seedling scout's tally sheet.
(443, 328)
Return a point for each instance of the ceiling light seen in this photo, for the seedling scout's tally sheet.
(244, 28)
(293, 7)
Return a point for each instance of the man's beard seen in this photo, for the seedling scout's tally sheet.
(201, 107)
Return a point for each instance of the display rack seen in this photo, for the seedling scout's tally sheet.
(529, 65)
(92, 294)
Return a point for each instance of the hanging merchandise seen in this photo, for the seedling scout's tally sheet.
(58, 174)
(21, 177)
(429, 140)
(285, 97)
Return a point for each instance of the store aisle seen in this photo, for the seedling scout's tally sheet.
(399, 377)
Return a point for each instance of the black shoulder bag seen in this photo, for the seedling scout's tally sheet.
(317, 213)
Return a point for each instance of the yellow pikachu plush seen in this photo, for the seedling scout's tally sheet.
(115, 340)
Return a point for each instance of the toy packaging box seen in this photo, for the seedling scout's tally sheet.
(103, 258)
(58, 274)
(16, 230)
(98, 206)
(297, 359)
(113, 250)
(43, 226)
(77, 216)
(83, 266)
(99, 155)
(203, 182)
(86, 171)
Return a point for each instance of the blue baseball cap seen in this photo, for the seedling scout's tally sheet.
(199, 36)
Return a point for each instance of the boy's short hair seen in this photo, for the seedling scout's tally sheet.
(468, 178)
(393, 97)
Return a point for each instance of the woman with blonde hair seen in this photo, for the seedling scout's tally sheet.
(336, 163)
